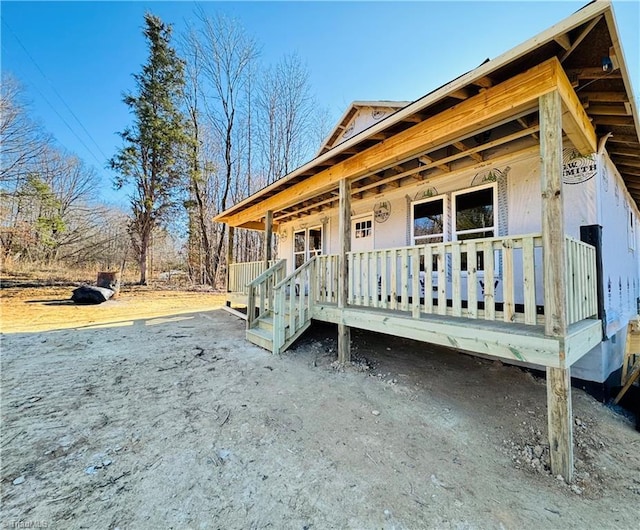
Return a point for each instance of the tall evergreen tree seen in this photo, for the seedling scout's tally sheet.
(153, 150)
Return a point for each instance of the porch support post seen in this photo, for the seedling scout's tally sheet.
(560, 423)
(229, 258)
(344, 231)
(268, 237)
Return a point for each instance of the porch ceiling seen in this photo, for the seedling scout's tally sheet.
(600, 103)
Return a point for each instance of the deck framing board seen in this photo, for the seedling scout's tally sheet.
(499, 339)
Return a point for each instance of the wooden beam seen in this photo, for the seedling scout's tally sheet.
(560, 422)
(594, 72)
(554, 263)
(579, 39)
(344, 242)
(436, 163)
(483, 82)
(487, 337)
(523, 123)
(367, 183)
(351, 150)
(461, 93)
(609, 110)
(634, 172)
(230, 238)
(563, 40)
(414, 118)
(510, 98)
(605, 97)
(627, 151)
(252, 225)
(306, 209)
(422, 169)
(553, 238)
(624, 139)
(463, 148)
(629, 162)
(623, 121)
(268, 237)
(575, 121)
(427, 160)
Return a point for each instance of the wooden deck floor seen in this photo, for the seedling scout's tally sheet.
(506, 340)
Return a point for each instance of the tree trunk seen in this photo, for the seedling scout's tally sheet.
(142, 258)
(204, 237)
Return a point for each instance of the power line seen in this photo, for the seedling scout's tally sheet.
(46, 100)
(63, 102)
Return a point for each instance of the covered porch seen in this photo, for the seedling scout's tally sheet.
(525, 298)
(425, 293)
(446, 293)
(436, 294)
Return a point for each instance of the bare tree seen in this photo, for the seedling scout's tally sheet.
(48, 213)
(37, 215)
(228, 53)
(251, 126)
(22, 140)
(286, 110)
(201, 168)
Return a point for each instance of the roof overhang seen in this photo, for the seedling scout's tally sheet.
(597, 103)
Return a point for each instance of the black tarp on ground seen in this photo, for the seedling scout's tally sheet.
(88, 294)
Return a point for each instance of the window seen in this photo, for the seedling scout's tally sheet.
(428, 218)
(306, 244)
(474, 213)
(474, 218)
(299, 248)
(631, 231)
(362, 229)
(315, 241)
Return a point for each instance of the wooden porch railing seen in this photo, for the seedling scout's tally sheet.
(581, 279)
(242, 274)
(326, 278)
(260, 291)
(293, 304)
(493, 279)
(497, 279)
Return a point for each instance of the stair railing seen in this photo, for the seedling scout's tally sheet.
(260, 292)
(293, 305)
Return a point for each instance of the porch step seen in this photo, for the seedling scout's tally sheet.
(266, 323)
(260, 337)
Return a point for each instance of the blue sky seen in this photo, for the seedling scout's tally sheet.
(76, 58)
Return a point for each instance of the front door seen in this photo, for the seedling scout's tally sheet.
(306, 244)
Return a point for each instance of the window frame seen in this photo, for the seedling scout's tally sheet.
(454, 195)
(425, 240)
(365, 231)
(308, 252)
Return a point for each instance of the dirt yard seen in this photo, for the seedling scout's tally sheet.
(151, 411)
